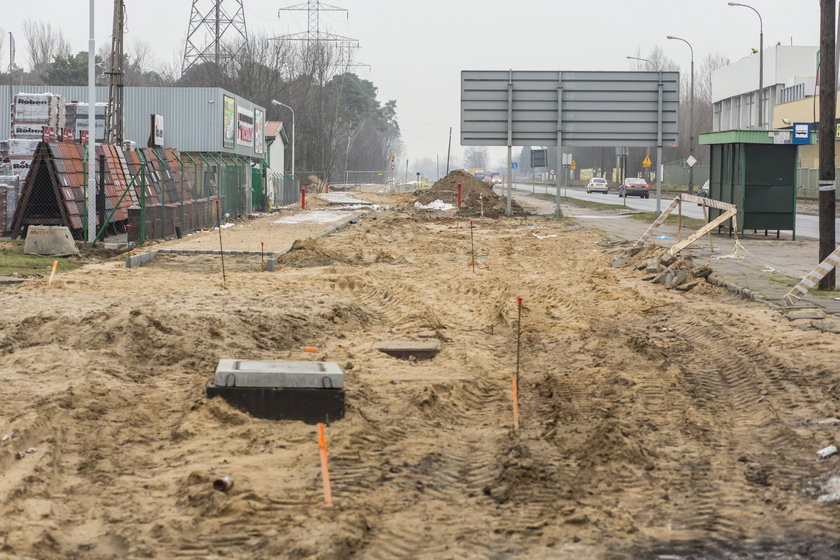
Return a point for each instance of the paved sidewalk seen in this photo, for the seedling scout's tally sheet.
(760, 267)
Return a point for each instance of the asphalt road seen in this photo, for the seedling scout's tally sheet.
(806, 225)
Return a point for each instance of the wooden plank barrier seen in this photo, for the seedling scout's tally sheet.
(832, 261)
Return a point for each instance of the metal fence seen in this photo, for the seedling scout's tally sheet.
(678, 175)
(356, 178)
(807, 179)
(283, 189)
(807, 182)
(179, 191)
(182, 190)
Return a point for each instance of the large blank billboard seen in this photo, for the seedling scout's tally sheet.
(589, 108)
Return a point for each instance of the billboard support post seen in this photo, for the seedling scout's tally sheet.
(509, 207)
(557, 210)
(659, 145)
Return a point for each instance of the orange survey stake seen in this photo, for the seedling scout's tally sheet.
(325, 465)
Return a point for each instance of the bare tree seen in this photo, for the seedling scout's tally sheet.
(657, 58)
(44, 43)
(476, 157)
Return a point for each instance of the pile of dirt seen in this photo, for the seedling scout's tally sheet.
(306, 253)
(477, 198)
(314, 184)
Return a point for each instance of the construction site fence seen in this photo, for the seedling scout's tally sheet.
(188, 200)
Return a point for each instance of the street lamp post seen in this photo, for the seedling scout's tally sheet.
(275, 102)
(91, 158)
(760, 62)
(690, 116)
(658, 138)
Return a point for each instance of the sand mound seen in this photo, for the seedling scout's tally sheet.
(306, 253)
(475, 196)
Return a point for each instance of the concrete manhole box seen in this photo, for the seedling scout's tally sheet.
(280, 389)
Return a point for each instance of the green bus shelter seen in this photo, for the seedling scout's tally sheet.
(756, 171)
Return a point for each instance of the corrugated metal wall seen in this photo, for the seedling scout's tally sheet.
(192, 117)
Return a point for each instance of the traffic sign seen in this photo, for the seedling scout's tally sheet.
(691, 160)
(646, 162)
(574, 165)
(539, 158)
(514, 165)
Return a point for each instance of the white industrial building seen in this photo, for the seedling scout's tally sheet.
(789, 75)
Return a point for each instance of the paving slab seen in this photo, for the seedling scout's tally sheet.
(405, 349)
(805, 314)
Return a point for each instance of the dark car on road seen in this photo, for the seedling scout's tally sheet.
(634, 187)
(704, 190)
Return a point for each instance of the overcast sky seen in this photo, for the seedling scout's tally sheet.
(416, 49)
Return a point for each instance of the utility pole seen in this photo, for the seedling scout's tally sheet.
(828, 99)
(91, 157)
(448, 149)
(11, 93)
(115, 115)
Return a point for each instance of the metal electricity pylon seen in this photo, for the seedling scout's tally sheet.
(314, 34)
(217, 32)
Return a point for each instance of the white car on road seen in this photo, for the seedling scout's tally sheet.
(597, 184)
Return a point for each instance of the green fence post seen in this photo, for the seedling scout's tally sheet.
(208, 216)
(84, 191)
(114, 210)
(142, 204)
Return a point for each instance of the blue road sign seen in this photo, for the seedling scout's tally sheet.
(802, 133)
(514, 165)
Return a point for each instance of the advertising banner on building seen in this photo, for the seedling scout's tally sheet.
(229, 122)
(245, 129)
(157, 131)
(259, 132)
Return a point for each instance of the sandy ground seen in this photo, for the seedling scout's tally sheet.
(655, 424)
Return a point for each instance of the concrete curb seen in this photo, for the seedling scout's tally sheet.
(335, 229)
(717, 280)
(137, 260)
